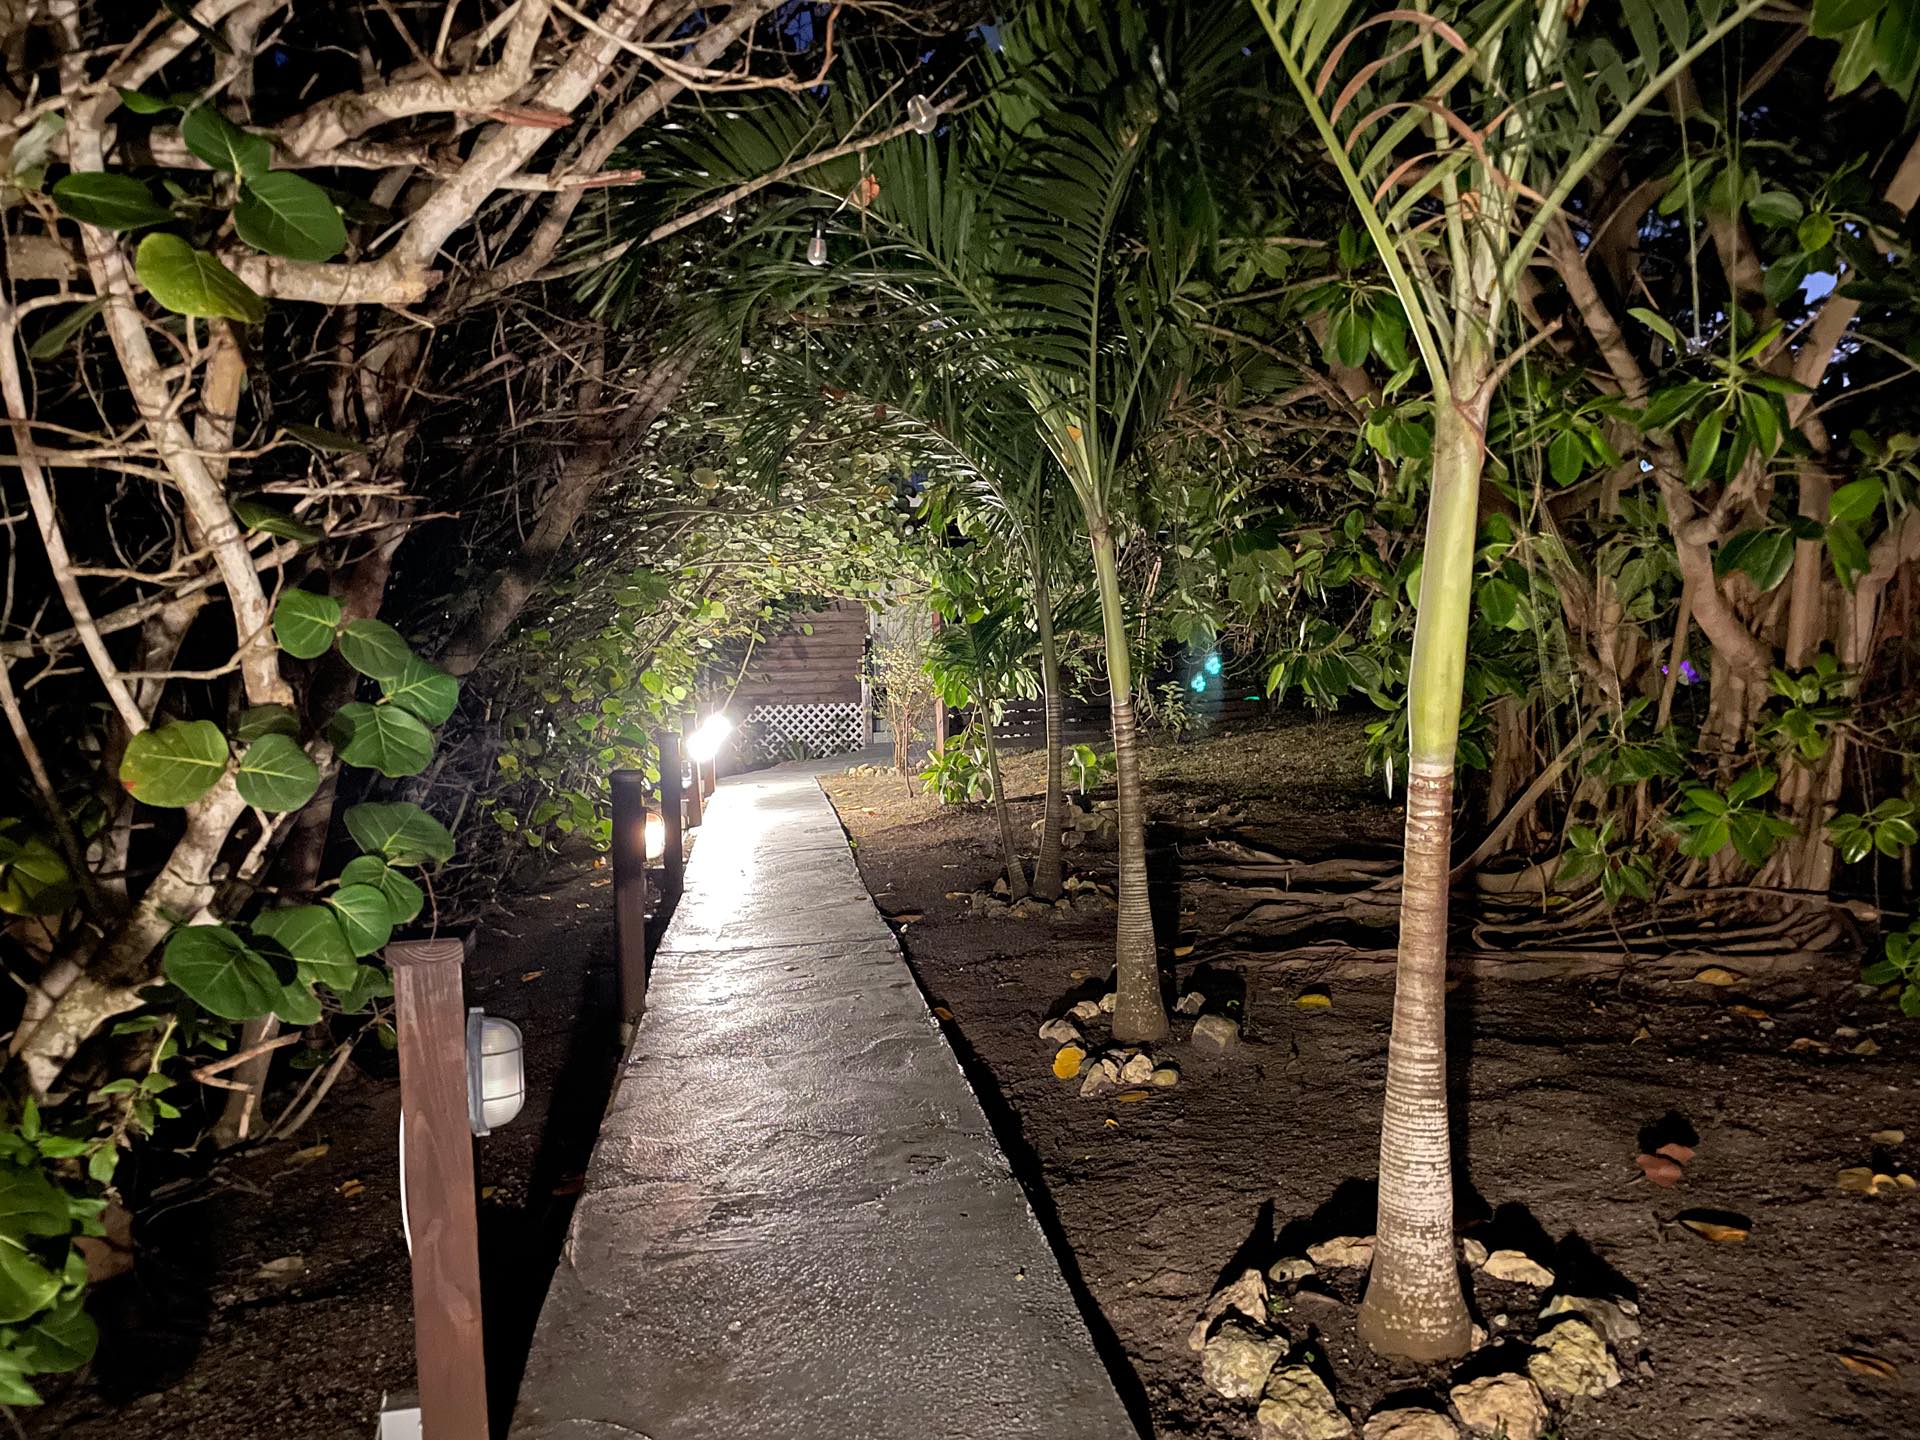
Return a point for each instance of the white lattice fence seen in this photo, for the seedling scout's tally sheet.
(801, 732)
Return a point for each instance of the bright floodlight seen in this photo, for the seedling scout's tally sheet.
(705, 742)
(656, 837)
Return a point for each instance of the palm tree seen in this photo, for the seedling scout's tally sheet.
(1486, 120)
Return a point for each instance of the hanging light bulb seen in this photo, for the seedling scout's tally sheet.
(817, 248)
(921, 115)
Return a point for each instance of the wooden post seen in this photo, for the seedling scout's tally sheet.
(630, 893)
(673, 850)
(430, 1019)
(709, 776)
(939, 708)
(695, 795)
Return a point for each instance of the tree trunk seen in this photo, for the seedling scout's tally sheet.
(1009, 851)
(1413, 1305)
(1139, 1011)
(1046, 865)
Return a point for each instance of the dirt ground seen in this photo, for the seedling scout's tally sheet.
(271, 1296)
(1271, 1146)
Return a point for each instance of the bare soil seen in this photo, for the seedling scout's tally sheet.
(1557, 1085)
(271, 1294)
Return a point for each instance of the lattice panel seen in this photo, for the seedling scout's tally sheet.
(800, 732)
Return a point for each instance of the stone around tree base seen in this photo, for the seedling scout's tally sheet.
(1297, 1406)
(1505, 1405)
(1238, 1360)
(1572, 1360)
(1410, 1425)
(1217, 1031)
(1344, 1252)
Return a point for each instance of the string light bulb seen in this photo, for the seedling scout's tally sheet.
(921, 115)
(817, 248)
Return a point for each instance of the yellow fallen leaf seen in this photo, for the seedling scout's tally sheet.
(1752, 1012)
(1131, 1097)
(1313, 1000)
(1112, 1121)
(1906, 1181)
(531, 975)
(940, 1012)
(1862, 1363)
(1888, 1137)
(1641, 1034)
(1718, 975)
(1066, 1061)
(1857, 1179)
(1867, 1046)
(312, 1152)
(1715, 1231)
(351, 1188)
(1180, 950)
(1076, 974)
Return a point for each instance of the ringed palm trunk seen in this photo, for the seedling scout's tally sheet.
(1413, 1305)
(1009, 851)
(1139, 1012)
(1046, 865)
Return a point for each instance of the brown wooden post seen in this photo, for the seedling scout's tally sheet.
(430, 1019)
(709, 776)
(630, 893)
(673, 848)
(696, 797)
(939, 707)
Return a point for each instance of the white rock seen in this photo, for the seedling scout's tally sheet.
(1473, 1252)
(1099, 1078)
(1238, 1359)
(1086, 1010)
(1289, 1269)
(1615, 1324)
(1410, 1425)
(1061, 1031)
(1166, 1077)
(1137, 1071)
(1343, 1252)
(1572, 1360)
(1298, 1406)
(1514, 1266)
(1191, 1003)
(1246, 1296)
(1215, 1030)
(1107, 1002)
(1505, 1405)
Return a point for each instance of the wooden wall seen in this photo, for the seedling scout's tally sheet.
(796, 668)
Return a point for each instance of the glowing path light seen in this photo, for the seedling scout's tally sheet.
(705, 742)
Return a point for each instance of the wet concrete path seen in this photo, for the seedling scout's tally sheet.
(797, 1223)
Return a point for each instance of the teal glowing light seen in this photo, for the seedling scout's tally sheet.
(1212, 665)
(1198, 684)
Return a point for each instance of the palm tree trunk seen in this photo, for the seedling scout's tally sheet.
(1009, 852)
(1046, 865)
(1139, 1012)
(1413, 1305)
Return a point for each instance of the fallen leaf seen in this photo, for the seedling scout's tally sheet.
(1076, 974)
(1131, 1097)
(1112, 1121)
(1315, 999)
(1660, 1170)
(312, 1152)
(1674, 1150)
(1862, 1363)
(1066, 1061)
(959, 894)
(1857, 1179)
(287, 1267)
(1807, 1042)
(1865, 1047)
(531, 975)
(351, 1188)
(940, 1012)
(1752, 1012)
(1182, 950)
(1718, 975)
(1717, 1231)
(1641, 1034)
(1888, 1137)
(906, 917)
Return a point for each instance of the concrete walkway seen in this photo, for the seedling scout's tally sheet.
(797, 1224)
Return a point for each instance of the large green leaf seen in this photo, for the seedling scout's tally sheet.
(276, 775)
(55, 337)
(224, 145)
(174, 764)
(34, 879)
(191, 282)
(425, 689)
(220, 972)
(287, 214)
(31, 1206)
(311, 934)
(375, 649)
(261, 720)
(304, 623)
(298, 1006)
(26, 1286)
(401, 833)
(1833, 18)
(113, 202)
(364, 917)
(381, 737)
(405, 900)
(63, 1339)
